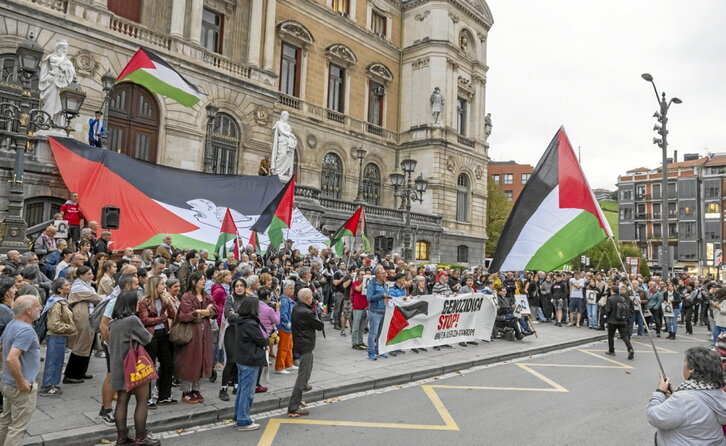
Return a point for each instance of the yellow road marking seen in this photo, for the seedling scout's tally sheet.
(625, 366)
(660, 349)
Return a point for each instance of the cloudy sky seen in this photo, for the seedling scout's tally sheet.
(578, 64)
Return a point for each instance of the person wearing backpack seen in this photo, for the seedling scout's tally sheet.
(58, 325)
(618, 309)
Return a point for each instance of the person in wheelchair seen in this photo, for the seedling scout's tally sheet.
(506, 324)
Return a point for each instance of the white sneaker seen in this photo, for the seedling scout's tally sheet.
(294, 367)
(249, 427)
(282, 372)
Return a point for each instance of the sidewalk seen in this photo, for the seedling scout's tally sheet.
(72, 418)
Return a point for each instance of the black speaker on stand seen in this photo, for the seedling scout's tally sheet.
(110, 217)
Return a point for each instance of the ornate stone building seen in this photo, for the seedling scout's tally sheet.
(352, 73)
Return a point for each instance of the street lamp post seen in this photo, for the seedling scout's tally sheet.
(662, 116)
(19, 122)
(409, 191)
(108, 80)
(212, 111)
(361, 154)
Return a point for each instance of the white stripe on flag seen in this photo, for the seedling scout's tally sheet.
(172, 78)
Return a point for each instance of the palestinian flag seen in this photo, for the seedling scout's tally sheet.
(362, 227)
(227, 233)
(556, 217)
(397, 329)
(157, 200)
(236, 249)
(278, 214)
(151, 71)
(254, 241)
(349, 229)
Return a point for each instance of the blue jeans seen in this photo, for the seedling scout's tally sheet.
(636, 317)
(54, 360)
(717, 330)
(375, 322)
(358, 316)
(592, 315)
(246, 379)
(672, 322)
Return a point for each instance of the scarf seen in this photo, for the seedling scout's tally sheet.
(692, 384)
(79, 286)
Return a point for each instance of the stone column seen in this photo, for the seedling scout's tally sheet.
(178, 12)
(195, 21)
(253, 51)
(270, 35)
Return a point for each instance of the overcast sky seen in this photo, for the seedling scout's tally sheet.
(578, 63)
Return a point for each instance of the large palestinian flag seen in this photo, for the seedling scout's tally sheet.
(556, 217)
(148, 69)
(348, 229)
(277, 215)
(156, 200)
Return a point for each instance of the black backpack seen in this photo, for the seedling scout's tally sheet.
(622, 310)
(41, 325)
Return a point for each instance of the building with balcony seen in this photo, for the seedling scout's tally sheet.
(510, 176)
(695, 218)
(351, 73)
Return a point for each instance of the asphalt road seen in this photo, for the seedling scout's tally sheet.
(577, 396)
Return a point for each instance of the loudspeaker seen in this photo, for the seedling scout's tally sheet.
(110, 217)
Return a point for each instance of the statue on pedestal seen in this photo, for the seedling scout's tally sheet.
(437, 106)
(283, 149)
(56, 73)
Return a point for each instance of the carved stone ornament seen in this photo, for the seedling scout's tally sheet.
(381, 71)
(452, 63)
(450, 164)
(296, 30)
(421, 16)
(464, 82)
(454, 18)
(476, 4)
(478, 172)
(311, 140)
(85, 63)
(261, 116)
(341, 52)
(420, 63)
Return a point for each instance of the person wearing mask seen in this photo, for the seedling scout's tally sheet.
(269, 315)
(81, 299)
(283, 361)
(304, 327)
(693, 413)
(228, 333)
(156, 312)
(672, 297)
(124, 329)
(60, 325)
(250, 345)
(618, 309)
(193, 361)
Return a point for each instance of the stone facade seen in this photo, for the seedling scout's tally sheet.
(423, 44)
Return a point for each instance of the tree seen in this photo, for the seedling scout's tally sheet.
(498, 209)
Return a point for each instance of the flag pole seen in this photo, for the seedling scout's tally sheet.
(650, 337)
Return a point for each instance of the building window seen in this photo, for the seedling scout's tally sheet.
(626, 214)
(378, 23)
(495, 178)
(640, 212)
(656, 191)
(686, 211)
(711, 189)
(657, 230)
(128, 9)
(383, 245)
(423, 249)
(372, 184)
(713, 211)
(640, 192)
(133, 122)
(342, 7)
(332, 176)
(462, 254)
(656, 210)
(508, 178)
(290, 70)
(509, 194)
(526, 177)
(687, 230)
(212, 30)
(463, 192)
(376, 95)
(672, 189)
(672, 210)
(461, 110)
(7, 67)
(336, 88)
(225, 144)
(672, 230)
(40, 209)
(626, 194)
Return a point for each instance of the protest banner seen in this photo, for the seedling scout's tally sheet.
(427, 321)
(521, 305)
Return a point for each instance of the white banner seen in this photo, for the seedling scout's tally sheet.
(427, 321)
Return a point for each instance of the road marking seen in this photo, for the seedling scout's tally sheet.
(660, 349)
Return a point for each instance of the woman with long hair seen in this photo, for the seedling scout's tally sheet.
(156, 312)
(81, 299)
(193, 361)
(231, 307)
(104, 278)
(98, 261)
(269, 316)
(125, 328)
(220, 291)
(249, 356)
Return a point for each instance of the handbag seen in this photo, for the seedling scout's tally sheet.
(274, 338)
(138, 367)
(181, 333)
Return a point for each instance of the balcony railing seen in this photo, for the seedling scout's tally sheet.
(335, 116)
(226, 64)
(376, 130)
(310, 193)
(373, 211)
(290, 101)
(139, 32)
(56, 5)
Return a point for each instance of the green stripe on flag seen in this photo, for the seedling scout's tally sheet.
(274, 231)
(338, 241)
(179, 241)
(576, 237)
(157, 85)
(405, 335)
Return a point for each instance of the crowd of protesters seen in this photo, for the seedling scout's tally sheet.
(227, 319)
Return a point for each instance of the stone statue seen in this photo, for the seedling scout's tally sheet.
(488, 124)
(56, 72)
(437, 105)
(283, 149)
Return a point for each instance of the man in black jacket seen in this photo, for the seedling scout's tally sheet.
(618, 309)
(304, 325)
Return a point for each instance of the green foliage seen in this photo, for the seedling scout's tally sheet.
(498, 209)
(603, 256)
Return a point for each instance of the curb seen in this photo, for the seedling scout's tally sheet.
(91, 435)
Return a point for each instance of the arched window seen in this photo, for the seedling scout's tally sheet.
(462, 254)
(463, 190)
(331, 180)
(466, 42)
(36, 210)
(7, 67)
(372, 184)
(225, 144)
(423, 249)
(133, 122)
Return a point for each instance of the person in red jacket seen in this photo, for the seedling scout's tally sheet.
(72, 213)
